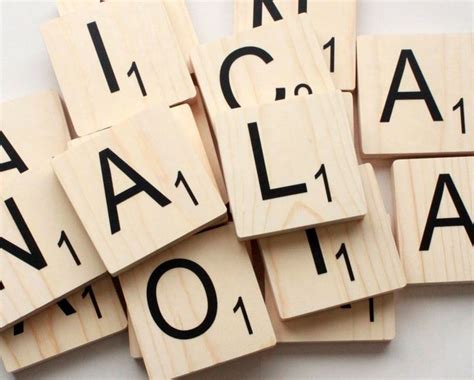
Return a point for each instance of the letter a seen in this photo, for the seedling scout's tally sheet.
(15, 160)
(424, 92)
(33, 258)
(112, 199)
(433, 221)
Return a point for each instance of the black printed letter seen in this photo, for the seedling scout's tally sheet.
(34, 257)
(424, 92)
(15, 160)
(433, 221)
(227, 64)
(267, 192)
(113, 200)
(273, 10)
(155, 307)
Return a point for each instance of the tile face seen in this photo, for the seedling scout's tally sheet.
(120, 66)
(416, 94)
(140, 186)
(45, 253)
(434, 201)
(333, 21)
(368, 320)
(176, 10)
(197, 305)
(85, 317)
(328, 266)
(279, 60)
(289, 164)
(33, 129)
(202, 123)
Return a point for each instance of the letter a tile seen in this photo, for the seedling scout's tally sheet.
(140, 186)
(434, 199)
(334, 22)
(289, 165)
(114, 60)
(276, 61)
(416, 95)
(333, 265)
(33, 129)
(91, 314)
(45, 253)
(197, 305)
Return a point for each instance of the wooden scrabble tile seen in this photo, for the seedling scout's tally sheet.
(202, 123)
(333, 21)
(434, 201)
(140, 186)
(368, 320)
(289, 165)
(45, 253)
(135, 351)
(333, 265)
(197, 305)
(416, 94)
(91, 314)
(120, 66)
(33, 129)
(177, 13)
(276, 61)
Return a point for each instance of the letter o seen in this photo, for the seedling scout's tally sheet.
(155, 308)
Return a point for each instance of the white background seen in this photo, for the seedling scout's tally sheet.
(435, 325)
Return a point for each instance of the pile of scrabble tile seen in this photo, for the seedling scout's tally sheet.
(217, 199)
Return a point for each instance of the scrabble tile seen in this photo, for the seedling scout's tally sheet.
(368, 320)
(140, 186)
(197, 305)
(45, 253)
(434, 201)
(289, 165)
(177, 13)
(119, 63)
(278, 60)
(91, 314)
(135, 351)
(320, 268)
(333, 21)
(416, 94)
(33, 129)
(205, 132)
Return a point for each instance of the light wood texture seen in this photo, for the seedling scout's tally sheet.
(161, 151)
(135, 351)
(447, 255)
(297, 137)
(296, 59)
(446, 65)
(308, 270)
(333, 21)
(55, 331)
(35, 127)
(65, 255)
(183, 302)
(176, 10)
(205, 132)
(364, 321)
(130, 33)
